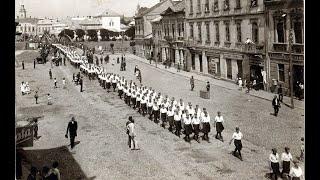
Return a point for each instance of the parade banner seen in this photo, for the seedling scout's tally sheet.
(24, 136)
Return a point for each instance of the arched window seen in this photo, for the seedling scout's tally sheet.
(255, 32)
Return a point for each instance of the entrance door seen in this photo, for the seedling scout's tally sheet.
(297, 75)
(193, 63)
(255, 72)
(229, 69)
(240, 73)
(200, 60)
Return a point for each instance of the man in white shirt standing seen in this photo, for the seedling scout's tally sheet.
(237, 136)
(132, 134)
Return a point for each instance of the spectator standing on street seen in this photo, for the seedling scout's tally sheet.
(64, 60)
(81, 84)
(280, 93)
(301, 158)
(276, 105)
(22, 64)
(36, 96)
(72, 129)
(237, 136)
(208, 86)
(295, 171)
(129, 137)
(240, 84)
(35, 128)
(133, 135)
(64, 83)
(33, 173)
(274, 159)
(192, 83)
(49, 99)
(55, 83)
(135, 69)
(286, 158)
(218, 121)
(179, 67)
(34, 63)
(55, 170)
(50, 74)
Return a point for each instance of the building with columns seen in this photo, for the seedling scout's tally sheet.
(225, 38)
(284, 24)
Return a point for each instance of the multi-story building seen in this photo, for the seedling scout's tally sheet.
(226, 38)
(27, 25)
(143, 28)
(109, 20)
(284, 24)
(45, 25)
(172, 34)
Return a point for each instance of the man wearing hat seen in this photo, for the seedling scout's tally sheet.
(276, 105)
(72, 128)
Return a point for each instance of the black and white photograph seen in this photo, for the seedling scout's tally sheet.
(160, 89)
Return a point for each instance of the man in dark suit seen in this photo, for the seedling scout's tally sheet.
(81, 84)
(72, 128)
(276, 105)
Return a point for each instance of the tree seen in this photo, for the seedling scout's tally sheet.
(67, 32)
(130, 32)
(93, 36)
(104, 34)
(80, 33)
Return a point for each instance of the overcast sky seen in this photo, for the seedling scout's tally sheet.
(64, 8)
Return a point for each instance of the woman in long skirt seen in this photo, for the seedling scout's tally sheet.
(286, 157)
(188, 127)
(237, 136)
(177, 123)
(218, 120)
(274, 159)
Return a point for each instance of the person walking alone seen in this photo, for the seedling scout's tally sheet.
(36, 96)
(237, 136)
(276, 105)
(50, 74)
(132, 134)
(72, 129)
(192, 83)
(34, 63)
(81, 84)
(208, 86)
(22, 64)
(129, 137)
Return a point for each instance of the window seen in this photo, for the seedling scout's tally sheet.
(182, 28)
(199, 5)
(255, 32)
(217, 32)
(199, 32)
(32, 29)
(216, 6)
(253, 3)
(226, 5)
(238, 24)
(206, 6)
(29, 29)
(281, 72)
(208, 31)
(179, 29)
(280, 32)
(297, 28)
(191, 6)
(227, 32)
(191, 30)
(238, 4)
(173, 30)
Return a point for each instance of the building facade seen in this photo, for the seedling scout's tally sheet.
(27, 25)
(109, 20)
(143, 28)
(226, 38)
(285, 32)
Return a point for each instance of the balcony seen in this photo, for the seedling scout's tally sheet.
(190, 43)
(280, 47)
(217, 43)
(250, 48)
(227, 44)
(297, 48)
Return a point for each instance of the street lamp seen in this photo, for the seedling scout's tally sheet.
(290, 60)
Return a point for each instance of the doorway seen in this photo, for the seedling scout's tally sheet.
(229, 69)
(240, 71)
(200, 61)
(193, 64)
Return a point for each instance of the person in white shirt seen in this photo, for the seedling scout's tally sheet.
(129, 94)
(218, 123)
(177, 122)
(240, 84)
(155, 110)
(163, 116)
(274, 159)
(120, 90)
(196, 127)
(237, 136)
(64, 83)
(205, 120)
(188, 127)
(149, 106)
(143, 105)
(295, 171)
(181, 104)
(286, 158)
(170, 114)
(22, 87)
(132, 134)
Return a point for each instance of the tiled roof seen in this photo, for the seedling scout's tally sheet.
(179, 6)
(151, 9)
(108, 13)
(27, 20)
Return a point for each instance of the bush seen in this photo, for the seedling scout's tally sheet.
(132, 43)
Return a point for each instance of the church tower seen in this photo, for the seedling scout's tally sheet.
(23, 12)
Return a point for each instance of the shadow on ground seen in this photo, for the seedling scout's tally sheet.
(39, 158)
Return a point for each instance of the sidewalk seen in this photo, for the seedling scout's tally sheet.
(222, 83)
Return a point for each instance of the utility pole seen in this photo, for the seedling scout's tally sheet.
(290, 65)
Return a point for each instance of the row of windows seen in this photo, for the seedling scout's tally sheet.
(255, 31)
(167, 27)
(32, 29)
(215, 7)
